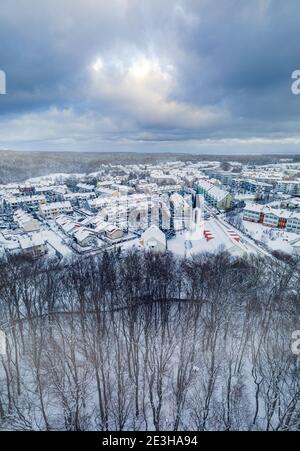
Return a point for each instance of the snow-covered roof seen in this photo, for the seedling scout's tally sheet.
(33, 241)
(82, 233)
(56, 206)
(269, 211)
(23, 218)
(213, 191)
(153, 233)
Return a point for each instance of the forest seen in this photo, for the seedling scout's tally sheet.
(150, 342)
(17, 166)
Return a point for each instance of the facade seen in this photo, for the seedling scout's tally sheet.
(84, 237)
(181, 212)
(293, 223)
(34, 246)
(33, 202)
(254, 186)
(113, 233)
(215, 196)
(53, 210)
(254, 213)
(272, 217)
(288, 187)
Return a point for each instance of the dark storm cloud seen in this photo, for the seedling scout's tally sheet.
(87, 73)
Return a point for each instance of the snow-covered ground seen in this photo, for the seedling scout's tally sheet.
(275, 239)
(53, 178)
(56, 243)
(182, 244)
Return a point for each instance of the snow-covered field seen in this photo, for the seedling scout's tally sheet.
(183, 245)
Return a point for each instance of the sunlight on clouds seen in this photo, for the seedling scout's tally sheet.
(146, 88)
(97, 65)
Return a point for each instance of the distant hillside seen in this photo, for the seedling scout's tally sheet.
(18, 166)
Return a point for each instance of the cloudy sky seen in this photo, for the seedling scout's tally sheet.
(150, 75)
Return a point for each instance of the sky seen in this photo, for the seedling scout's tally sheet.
(201, 76)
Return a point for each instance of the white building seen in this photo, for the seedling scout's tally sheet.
(181, 212)
(154, 239)
(25, 201)
(75, 197)
(84, 237)
(215, 196)
(113, 232)
(34, 246)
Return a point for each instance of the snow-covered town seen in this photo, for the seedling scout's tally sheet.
(149, 220)
(183, 207)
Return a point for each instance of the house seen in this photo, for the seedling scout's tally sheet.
(78, 197)
(61, 220)
(160, 177)
(288, 187)
(85, 188)
(292, 203)
(26, 222)
(70, 227)
(154, 239)
(113, 232)
(67, 225)
(84, 237)
(10, 245)
(253, 186)
(34, 246)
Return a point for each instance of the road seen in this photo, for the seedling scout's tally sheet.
(245, 239)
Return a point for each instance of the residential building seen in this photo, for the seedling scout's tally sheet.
(214, 196)
(34, 246)
(293, 223)
(273, 217)
(25, 201)
(84, 237)
(51, 211)
(113, 232)
(26, 222)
